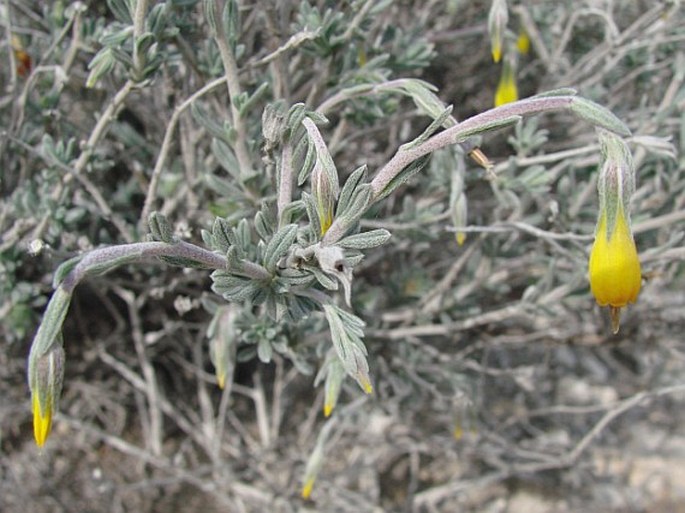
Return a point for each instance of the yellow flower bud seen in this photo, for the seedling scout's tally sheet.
(615, 276)
(523, 42)
(614, 267)
(45, 379)
(507, 91)
(497, 25)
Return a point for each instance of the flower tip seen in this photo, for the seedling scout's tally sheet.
(458, 432)
(327, 409)
(497, 53)
(42, 424)
(523, 43)
(461, 238)
(307, 488)
(221, 381)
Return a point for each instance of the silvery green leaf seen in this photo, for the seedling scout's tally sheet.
(482, 128)
(312, 215)
(121, 10)
(317, 117)
(233, 288)
(264, 351)
(598, 116)
(157, 18)
(255, 97)
(222, 186)
(262, 227)
(324, 280)
(101, 64)
(207, 238)
(243, 235)
(295, 116)
(116, 37)
(234, 255)
(226, 158)
(357, 205)
(295, 278)
(209, 9)
(144, 42)
(231, 22)
(293, 211)
(160, 228)
(222, 235)
(349, 348)
(365, 240)
(309, 159)
(430, 130)
(323, 156)
(279, 245)
(354, 259)
(357, 177)
(64, 269)
(403, 176)
(203, 118)
(122, 56)
(51, 325)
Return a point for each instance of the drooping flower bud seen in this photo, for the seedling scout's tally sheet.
(497, 24)
(325, 190)
(46, 374)
(223, 343)
(614, 266)
(523, 42)
(507, 90)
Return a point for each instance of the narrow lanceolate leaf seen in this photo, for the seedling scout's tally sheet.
(51, 326)
(64, 269)
(227, 159)
(279, 245)
(371, 239)
(403, 176)
(598, 116)
(347, 192)
(487, 127)
(234, 288)
(348, 346)
(430, 130)
(160, 228)
(222, 235)
(323, 157)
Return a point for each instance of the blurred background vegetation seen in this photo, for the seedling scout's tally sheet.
(497, 383)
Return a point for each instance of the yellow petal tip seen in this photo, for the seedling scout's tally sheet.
(41, 423)
(307, 488)
(327, 410)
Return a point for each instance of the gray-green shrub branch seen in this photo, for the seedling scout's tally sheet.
(232, 82)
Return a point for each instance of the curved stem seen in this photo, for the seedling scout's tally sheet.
(102, 260)
(457, 133)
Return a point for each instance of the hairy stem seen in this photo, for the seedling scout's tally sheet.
(234, 90)
(457, 133)
(104, 259)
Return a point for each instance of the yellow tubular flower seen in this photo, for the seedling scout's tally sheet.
(615, 276)
(614, 267)
(507, 91)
